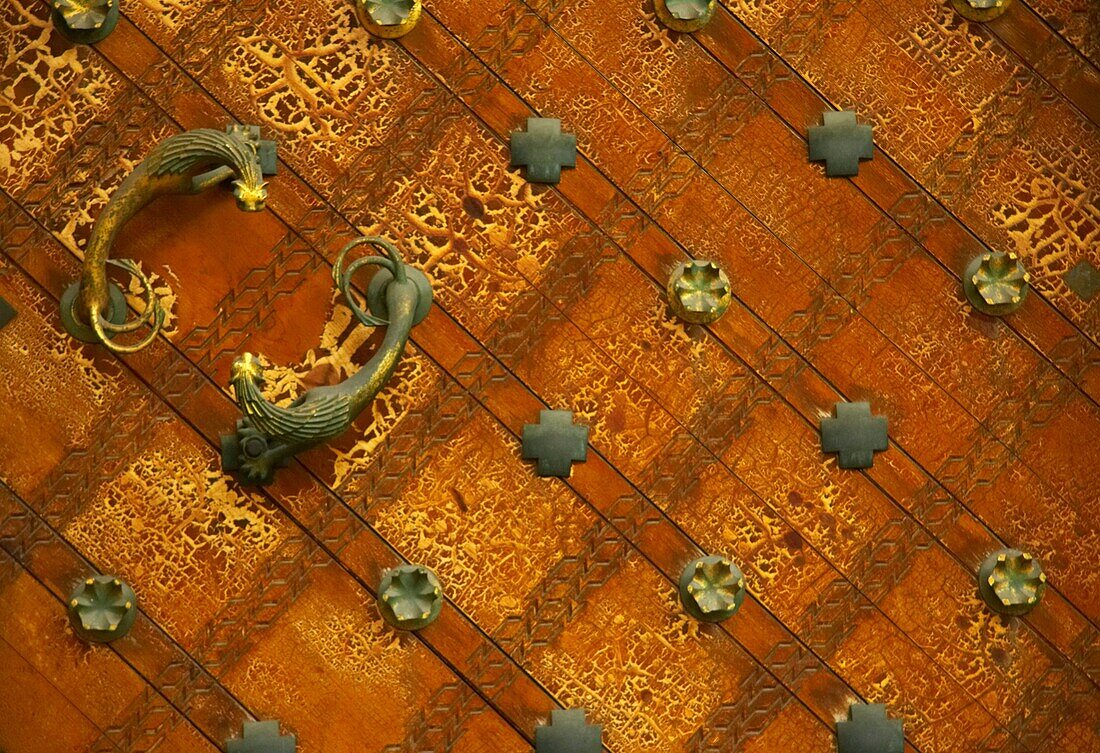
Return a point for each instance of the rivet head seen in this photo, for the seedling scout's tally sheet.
(410, 597)
(102, 608)
(699, 292)
(712, 588)
(1011, 582)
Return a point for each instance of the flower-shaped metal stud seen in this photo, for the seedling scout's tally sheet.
(1011, 582)
(712, 588)
(699, 292)
(410, 597)
(981, 10)
(388, 18)
(102, 608)
(85, 21)
(685, 15)
(995, 283)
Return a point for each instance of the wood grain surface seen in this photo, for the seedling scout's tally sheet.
(259, 603)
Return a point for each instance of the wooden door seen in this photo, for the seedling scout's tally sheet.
(259, 603)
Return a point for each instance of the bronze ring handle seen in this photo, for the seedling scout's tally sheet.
(94, 308)
(268, 435)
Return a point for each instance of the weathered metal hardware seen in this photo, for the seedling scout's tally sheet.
(555, 442)
(85, 21)
(262, 737)
(268, 435)
(712, 588)
(1011, 582)
(568, 732)
(868, 730)
(996, 283)
(102, 608)
(94, 308)
(685, 15)
(7, 313)
(699, 292)
(981, 10)
(388, 19)
(841, 143)
(410, 597)
(543, 149)
(854, 435)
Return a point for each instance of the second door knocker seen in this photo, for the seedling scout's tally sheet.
(268, 435)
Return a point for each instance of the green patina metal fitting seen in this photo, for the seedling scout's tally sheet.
(85, 21)
(995, 283)
(7, 313)
(544, 150)
(841, 143)
(867, 730)
(685, 15)
(102, 608)
(556, 442)
(1011, 582)
(568, 732)
(410, 597)
(699, 292)
(388, 18)
(854, 434)
(262, 737)
(712, 588)
(1083, 279)
(981, 10)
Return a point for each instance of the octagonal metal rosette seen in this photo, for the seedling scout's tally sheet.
(712, 588)
(1011, 582)
(102, 608)
(685, 15)
(981, 10)
(410, 597)
(388, 19)
(699, 291)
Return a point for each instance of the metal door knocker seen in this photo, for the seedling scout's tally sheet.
(268, 435)
(94, 309)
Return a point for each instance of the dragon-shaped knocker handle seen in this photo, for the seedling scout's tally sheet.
(94, 308)
(268, 435)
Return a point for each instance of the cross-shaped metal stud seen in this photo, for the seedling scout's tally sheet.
(867, 730)
(262, 737)
(7, 313)
(841, 143)
(568, 733)
(556, 442)
(1083, 279)
(854, 434)
(544, 150)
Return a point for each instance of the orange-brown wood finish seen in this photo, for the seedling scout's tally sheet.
(258, 603)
